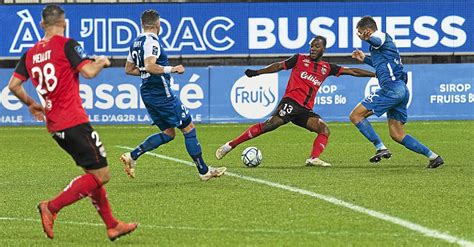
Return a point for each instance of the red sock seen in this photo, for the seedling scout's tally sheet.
(319, 144)
(101, 203)
(253, 131)
(79, 188)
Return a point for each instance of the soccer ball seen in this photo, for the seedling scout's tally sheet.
(252, 157)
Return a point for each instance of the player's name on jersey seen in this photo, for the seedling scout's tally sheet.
(11, 119)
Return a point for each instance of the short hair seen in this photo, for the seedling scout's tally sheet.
(367, 22)
(51, 14)
(149, 17)
(321, 38)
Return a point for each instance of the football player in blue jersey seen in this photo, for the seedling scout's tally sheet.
(392, 97)
(148, 60)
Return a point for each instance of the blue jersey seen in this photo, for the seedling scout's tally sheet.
(153, 87)
(386, 60)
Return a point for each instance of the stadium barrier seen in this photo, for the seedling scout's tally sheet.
(225, 94)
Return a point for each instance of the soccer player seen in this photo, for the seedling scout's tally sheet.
(148, 60)
(53, 64)
(392, 98)
(307, 75)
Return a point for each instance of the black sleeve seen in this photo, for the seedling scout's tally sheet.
(290, 62)
(75, 53)
(20, 68)
(334, 69)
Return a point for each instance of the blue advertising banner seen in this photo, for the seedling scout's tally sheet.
(255, 29)
(113, 98)
(225, 94)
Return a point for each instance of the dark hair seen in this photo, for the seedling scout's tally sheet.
(51, 14)
(367, 22)
(322, 38)
(149, 17)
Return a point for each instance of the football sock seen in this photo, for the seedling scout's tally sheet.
(416, 146)
(194, 150)
(101, 203)
(253, 131)
(319, 144)
(150, 143)
(79, 188)
(368, 131)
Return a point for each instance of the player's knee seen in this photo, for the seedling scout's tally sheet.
(354, 118)
(398, 137)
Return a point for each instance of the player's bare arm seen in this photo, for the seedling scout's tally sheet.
(16, 86)
(272, 68)
(357, 72)
(131, 69)
(92, 69)
(153, 68)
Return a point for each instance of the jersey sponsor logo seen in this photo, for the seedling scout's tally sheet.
(255, 97)
(311, 78)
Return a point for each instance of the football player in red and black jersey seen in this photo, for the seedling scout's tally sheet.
(307, 75)
(53, 64)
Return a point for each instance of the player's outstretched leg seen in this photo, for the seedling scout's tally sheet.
(358, 118)
(194, 150)
(397, 133)
(150, 143)
(252, 132)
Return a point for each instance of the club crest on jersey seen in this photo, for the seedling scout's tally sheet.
(324, 70)
(155, 51)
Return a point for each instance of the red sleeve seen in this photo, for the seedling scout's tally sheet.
(83, 63)
(20, 69)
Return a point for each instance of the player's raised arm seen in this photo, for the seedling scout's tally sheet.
(274, 67)
(361, 57)
(92, 69)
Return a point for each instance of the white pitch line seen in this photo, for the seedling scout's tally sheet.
(220, 229)
(333, 200)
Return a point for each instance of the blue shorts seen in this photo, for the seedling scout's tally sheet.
(392, 101)
(168, 115)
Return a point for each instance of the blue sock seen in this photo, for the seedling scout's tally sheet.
(194, 150)
(150, 143)
(368, 131)
(416, 146)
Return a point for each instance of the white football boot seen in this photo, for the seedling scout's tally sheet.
(213, 173)
(129, 163)
(316, 162)
(223, 150)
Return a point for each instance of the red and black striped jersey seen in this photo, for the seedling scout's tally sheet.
(306, 78)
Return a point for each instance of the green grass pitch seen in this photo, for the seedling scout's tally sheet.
(174, 208)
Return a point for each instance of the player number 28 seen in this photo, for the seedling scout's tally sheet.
(46, 75)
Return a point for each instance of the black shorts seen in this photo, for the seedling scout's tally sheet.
(84, 145)
(290, 110)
